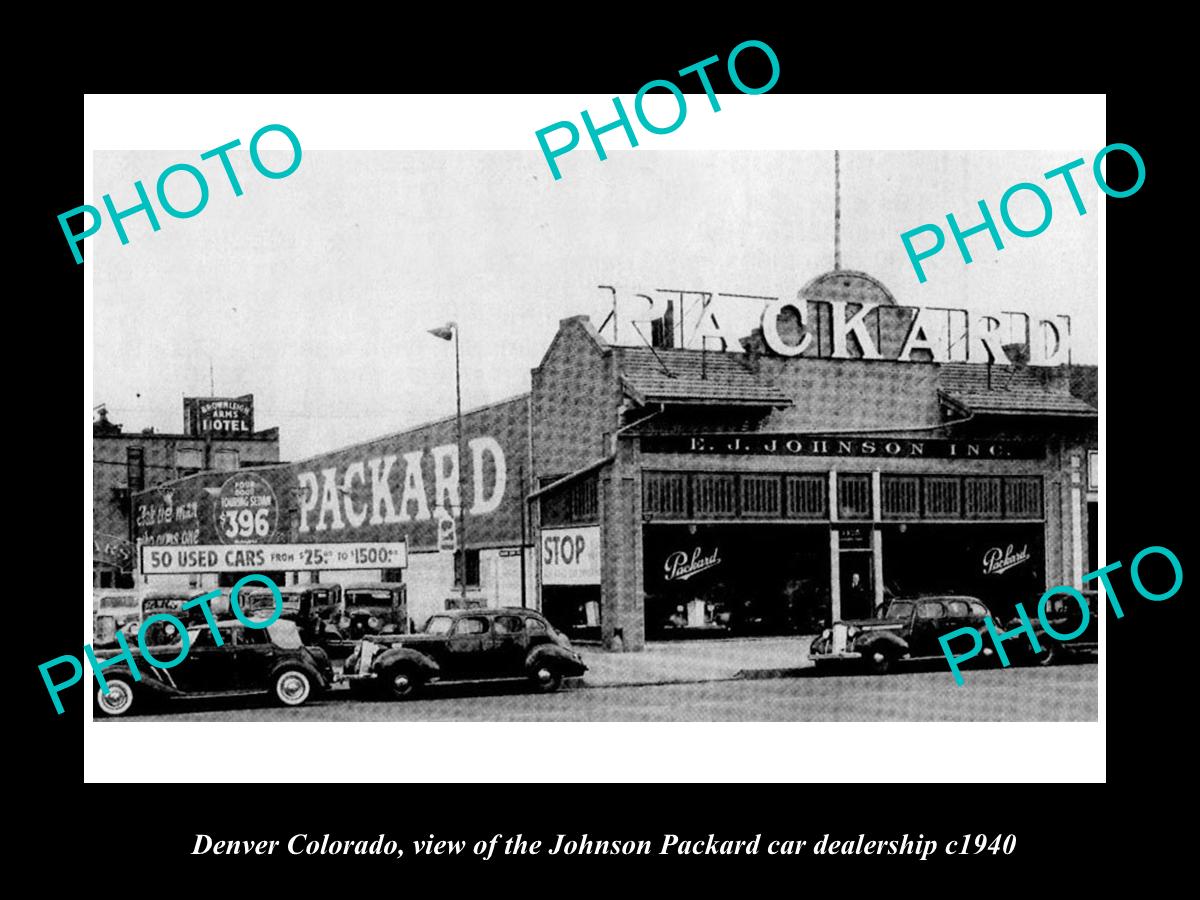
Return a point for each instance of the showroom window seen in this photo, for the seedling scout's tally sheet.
(901, 495)
(761, 495)
(716, 495)
(854, 496)
(665, 494)
(807, 496)
(1023, 498)
(942, 497)
(981, 498)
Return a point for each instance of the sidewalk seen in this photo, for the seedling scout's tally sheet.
(681, 662)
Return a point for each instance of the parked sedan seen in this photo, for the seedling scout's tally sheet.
(903, 628)
(1065, 615)
(271, 660)
(467, 645)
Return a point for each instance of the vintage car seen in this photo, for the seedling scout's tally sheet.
(374, 608)
(162, 631)
(904, 628)
(313, 607)
(466, 645)
(269, 660)
(113, 610)
(1064, 615)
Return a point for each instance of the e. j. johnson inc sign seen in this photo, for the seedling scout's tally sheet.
(833, 445)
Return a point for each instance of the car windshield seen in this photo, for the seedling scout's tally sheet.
(439, 625)
(900, 610)
(116, 603)
(368, 598)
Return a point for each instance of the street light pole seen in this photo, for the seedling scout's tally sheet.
(446, 332)
(462, 461)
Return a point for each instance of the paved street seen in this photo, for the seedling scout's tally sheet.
(1060, 693)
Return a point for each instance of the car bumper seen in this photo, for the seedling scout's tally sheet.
(830, 657)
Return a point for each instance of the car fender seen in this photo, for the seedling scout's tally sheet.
(407, 656)
(319, 680)
(872, 640)
(149, 682)
(564, 659)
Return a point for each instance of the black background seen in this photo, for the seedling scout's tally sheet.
(1068, 835)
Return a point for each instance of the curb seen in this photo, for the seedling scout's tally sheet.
(739, 675)
(763, 674)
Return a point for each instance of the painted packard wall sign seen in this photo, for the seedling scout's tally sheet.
(246, 509)
(273, 557)
(834, 445)
(996, 560)
(219, 416)
(571, 555)
(681, 565)
(399, 485)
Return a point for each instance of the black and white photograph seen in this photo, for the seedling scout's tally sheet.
(706, 435)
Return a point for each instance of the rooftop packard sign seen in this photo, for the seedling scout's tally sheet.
(842, 329)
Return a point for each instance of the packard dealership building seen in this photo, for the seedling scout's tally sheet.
(847, 450)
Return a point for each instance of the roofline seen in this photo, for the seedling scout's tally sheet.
(264, 435)
(780, 403)
(226, 472)
(415, 428)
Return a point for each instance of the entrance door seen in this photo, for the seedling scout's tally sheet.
(858, 584)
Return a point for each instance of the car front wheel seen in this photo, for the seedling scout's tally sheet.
(546, 679)
(879, 661)
(1047, 657)
(401, 683)
(119, 699)
(293, 687)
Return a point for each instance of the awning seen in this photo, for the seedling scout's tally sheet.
(1009, 392)
(690, 377)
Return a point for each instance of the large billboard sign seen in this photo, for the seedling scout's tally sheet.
(395, 488)
(240, 507)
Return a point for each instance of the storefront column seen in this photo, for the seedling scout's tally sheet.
(877, 535)
(1077, 572)
(622, 613)
(835, 555)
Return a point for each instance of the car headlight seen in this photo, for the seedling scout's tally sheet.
(826, 633)
(389, 628)
(851, 631)
(344, 622)
(373, 622)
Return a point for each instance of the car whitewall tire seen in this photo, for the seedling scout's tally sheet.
(119, 699)
(292, 687)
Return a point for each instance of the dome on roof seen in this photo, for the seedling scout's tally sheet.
(846, 284)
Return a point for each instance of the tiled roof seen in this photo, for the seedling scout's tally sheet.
(689, 376)
(1028, 391)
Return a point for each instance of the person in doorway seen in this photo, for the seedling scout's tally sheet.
(857, 600)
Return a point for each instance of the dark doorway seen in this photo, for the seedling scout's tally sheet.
(857, 584)
(573, 609)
